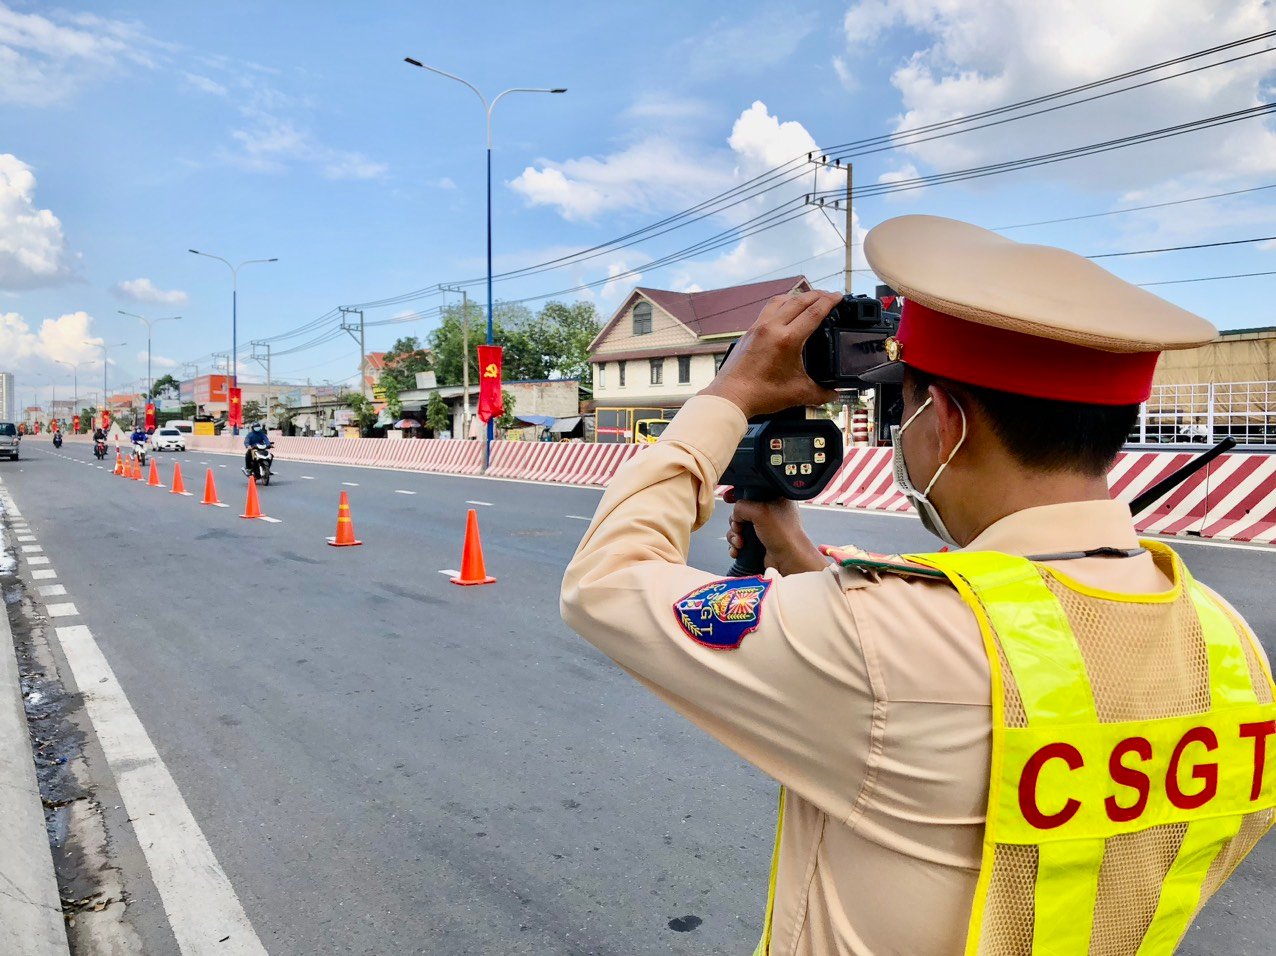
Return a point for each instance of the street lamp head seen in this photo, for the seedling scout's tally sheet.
(561, 89)
(276, 259)
(408, 59)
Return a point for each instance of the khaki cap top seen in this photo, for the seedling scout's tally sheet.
(976, 275)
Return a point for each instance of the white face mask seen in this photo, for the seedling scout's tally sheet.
(926, 510)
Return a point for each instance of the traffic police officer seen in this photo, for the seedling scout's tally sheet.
(1052, 740)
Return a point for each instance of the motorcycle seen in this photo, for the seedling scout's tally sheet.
(262, 461)
(99, 450)
(57, 439)
(139, 452)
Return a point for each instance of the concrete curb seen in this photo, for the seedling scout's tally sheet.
(30, 910)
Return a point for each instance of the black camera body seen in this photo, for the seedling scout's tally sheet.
(850, 341)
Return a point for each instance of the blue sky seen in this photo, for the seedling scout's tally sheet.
(130, 133)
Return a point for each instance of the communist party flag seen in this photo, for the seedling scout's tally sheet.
(490, 404)
(150, 415)
(236, 414)
(106, 418)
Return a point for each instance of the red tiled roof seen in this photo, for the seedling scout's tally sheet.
(376, 361)
(722, 311)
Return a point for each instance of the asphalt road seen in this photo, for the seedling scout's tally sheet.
(383, 762)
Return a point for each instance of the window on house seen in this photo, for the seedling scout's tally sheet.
(620, 366)
(602, 375)
(717, 361)
(642, 318)
(657, 371)
(684, 369)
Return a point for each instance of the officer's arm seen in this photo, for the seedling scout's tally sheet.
(785, 685)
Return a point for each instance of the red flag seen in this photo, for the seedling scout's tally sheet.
(150, 415)
(490, 403)
(75, 424)
(236, 413)
(37, 428)
(106, 418)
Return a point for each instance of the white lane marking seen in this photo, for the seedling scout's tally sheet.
(38, 560)
(52, 590)
(61, 610)
(271, 520)
(203, 463)
(307, 477)
(44, 574)
(219, 504)
(221, 466)
(26, 537)
(485, 504)
(31, 549)
(451, 572)
(400, 491)
(578, 517)
(200, 903)
(351, 484)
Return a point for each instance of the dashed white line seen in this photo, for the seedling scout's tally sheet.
(400, 491)
(52, 590)
(31, 549)
(26, 537)
(44, 574)
(451, 572)
(307, 477)
(271, 520)
(485, 504)
(61, 610)
(198, 899)
(351, 484)
(39, 559)
(578, 517)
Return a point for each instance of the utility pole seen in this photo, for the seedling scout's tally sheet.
(258, 359)
(465, 358)
(849, 232)
(363, 354)
(815, 199)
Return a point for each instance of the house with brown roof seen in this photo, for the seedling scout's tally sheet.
(661, 347)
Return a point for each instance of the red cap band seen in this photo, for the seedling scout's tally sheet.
(1021, 364)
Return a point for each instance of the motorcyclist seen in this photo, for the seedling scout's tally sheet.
(99, 434)
(57, 438)
(138, 438)
(255, 437)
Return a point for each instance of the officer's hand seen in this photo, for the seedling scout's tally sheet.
(764, 371)
(779, 528)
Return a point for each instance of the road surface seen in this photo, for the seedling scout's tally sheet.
(382, 762)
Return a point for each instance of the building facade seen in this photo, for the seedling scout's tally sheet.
(661, 347)
(8, 404)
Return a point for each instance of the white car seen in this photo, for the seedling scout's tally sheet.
(168, 439)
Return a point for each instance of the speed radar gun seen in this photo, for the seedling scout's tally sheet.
(787, 455)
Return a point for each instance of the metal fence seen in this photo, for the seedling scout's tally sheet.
(1207, 413)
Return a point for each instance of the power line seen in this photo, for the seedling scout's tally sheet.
(1199, 245)
(1238, 275)
(1117, 212)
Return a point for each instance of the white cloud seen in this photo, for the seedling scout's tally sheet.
(651, 174)
(157, 361)
(144, 290)
(45, 59)
(272, 143)
(63, 338)
(33, 251)
(444, 182)
(205, 85)
(733, 46)
(977, 54)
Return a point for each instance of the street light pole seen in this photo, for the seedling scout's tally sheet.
(148, 323)
(75, 386)
(105, 348)
(487, 109)
(234, 316)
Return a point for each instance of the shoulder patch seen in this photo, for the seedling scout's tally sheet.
(866, 561)
(721, 613)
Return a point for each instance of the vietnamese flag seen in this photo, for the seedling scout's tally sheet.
(106, 419)
(235, 416)
(490, 403)
(75, 424)
(150, 415)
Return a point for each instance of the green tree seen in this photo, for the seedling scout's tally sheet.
(163, 384)
(86, 418)
(393, 403)
(437, 415)
(561, 334)
(364, 413)
(188, 411)
(506, 420)
(403, 360)
(253, 412)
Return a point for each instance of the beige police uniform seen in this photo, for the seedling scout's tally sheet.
(867, 695)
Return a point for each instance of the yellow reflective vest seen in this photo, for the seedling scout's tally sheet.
(1125, 787)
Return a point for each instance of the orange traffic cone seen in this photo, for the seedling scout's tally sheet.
(152, 480)
(345, 525)
(136, 473)
(210, 491)
(472, 569)
(251, 507)
(179, 488)
(119, 463)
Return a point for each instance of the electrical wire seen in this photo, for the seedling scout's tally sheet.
(1199, 245)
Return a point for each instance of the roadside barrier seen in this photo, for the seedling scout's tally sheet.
(1234, 499)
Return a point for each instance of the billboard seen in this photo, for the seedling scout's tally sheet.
(211, 388)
